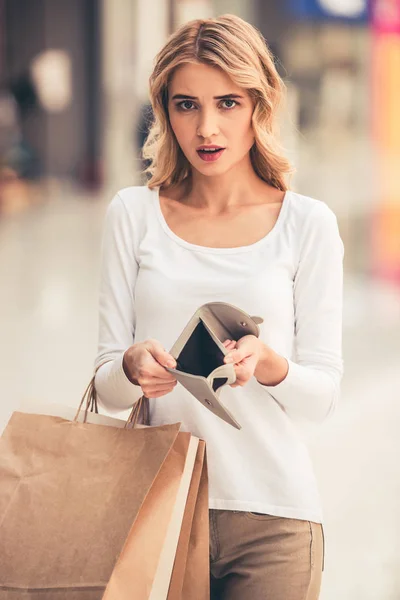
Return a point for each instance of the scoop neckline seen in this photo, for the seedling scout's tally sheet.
(209, 249)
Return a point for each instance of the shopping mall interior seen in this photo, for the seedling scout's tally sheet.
(73, 95)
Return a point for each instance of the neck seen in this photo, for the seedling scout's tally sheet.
(215, 194)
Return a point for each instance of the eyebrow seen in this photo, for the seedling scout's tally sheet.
(184, 96)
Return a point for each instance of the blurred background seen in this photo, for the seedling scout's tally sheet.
(73, 112)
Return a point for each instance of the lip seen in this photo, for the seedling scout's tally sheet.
(210, 157)
(210, 147)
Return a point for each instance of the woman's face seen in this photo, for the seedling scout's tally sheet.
(207, 108)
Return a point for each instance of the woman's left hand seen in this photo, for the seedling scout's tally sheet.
(244, 354)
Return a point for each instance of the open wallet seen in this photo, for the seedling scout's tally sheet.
(199, 353)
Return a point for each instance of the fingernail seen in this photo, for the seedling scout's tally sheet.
(228, 359)
(171, 364)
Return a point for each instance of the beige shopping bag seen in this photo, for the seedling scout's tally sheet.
(191, 566)
(91, 511)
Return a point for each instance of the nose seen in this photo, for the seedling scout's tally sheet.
(207, 125)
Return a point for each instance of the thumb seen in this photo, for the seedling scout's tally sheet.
(242, 351)
(161, 355)
(234, 356)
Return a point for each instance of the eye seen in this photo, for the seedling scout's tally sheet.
(230, 100)
(183, 105)
(180, 105)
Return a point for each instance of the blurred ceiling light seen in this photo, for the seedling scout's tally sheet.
(344, 8)
(51, 73)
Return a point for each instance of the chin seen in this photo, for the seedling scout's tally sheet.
(214, 170)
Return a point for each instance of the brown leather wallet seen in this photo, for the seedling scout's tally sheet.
(199, 353)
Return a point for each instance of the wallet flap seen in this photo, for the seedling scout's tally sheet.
(200, 388)
(226, 372)
(185, 335)
(257, 320)
(227, 321)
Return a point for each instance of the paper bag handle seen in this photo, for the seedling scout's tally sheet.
(141, 407)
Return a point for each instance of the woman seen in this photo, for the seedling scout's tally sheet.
(222, 225)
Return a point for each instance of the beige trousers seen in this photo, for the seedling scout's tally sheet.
(264, 557)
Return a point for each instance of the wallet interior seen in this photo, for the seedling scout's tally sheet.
(201, 355)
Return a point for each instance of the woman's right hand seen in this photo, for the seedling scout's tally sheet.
(144, 364)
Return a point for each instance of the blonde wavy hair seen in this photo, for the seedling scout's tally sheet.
(239, 49)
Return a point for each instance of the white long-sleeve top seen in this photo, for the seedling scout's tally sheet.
(152, 282)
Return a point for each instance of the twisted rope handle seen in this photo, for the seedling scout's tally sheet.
(141, 407)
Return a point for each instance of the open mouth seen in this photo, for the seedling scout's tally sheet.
(210, 151)
(210, 155)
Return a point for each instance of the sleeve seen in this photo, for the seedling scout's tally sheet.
(117, 320)
(311, 388)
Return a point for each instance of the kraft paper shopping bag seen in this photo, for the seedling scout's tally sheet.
(76, 498)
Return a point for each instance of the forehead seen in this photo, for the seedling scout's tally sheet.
(197, 79)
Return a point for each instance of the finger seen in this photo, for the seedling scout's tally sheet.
(159, 353)
(246, 346)
(151, 379)
(157, 391)
(236, 356)
(240, 381)
(245, 367)
(152, 370)
(241, 378)
(159, 382)
(244, 371)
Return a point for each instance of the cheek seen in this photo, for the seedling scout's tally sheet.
(180, 129)
(241, 132)
(239, 125)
